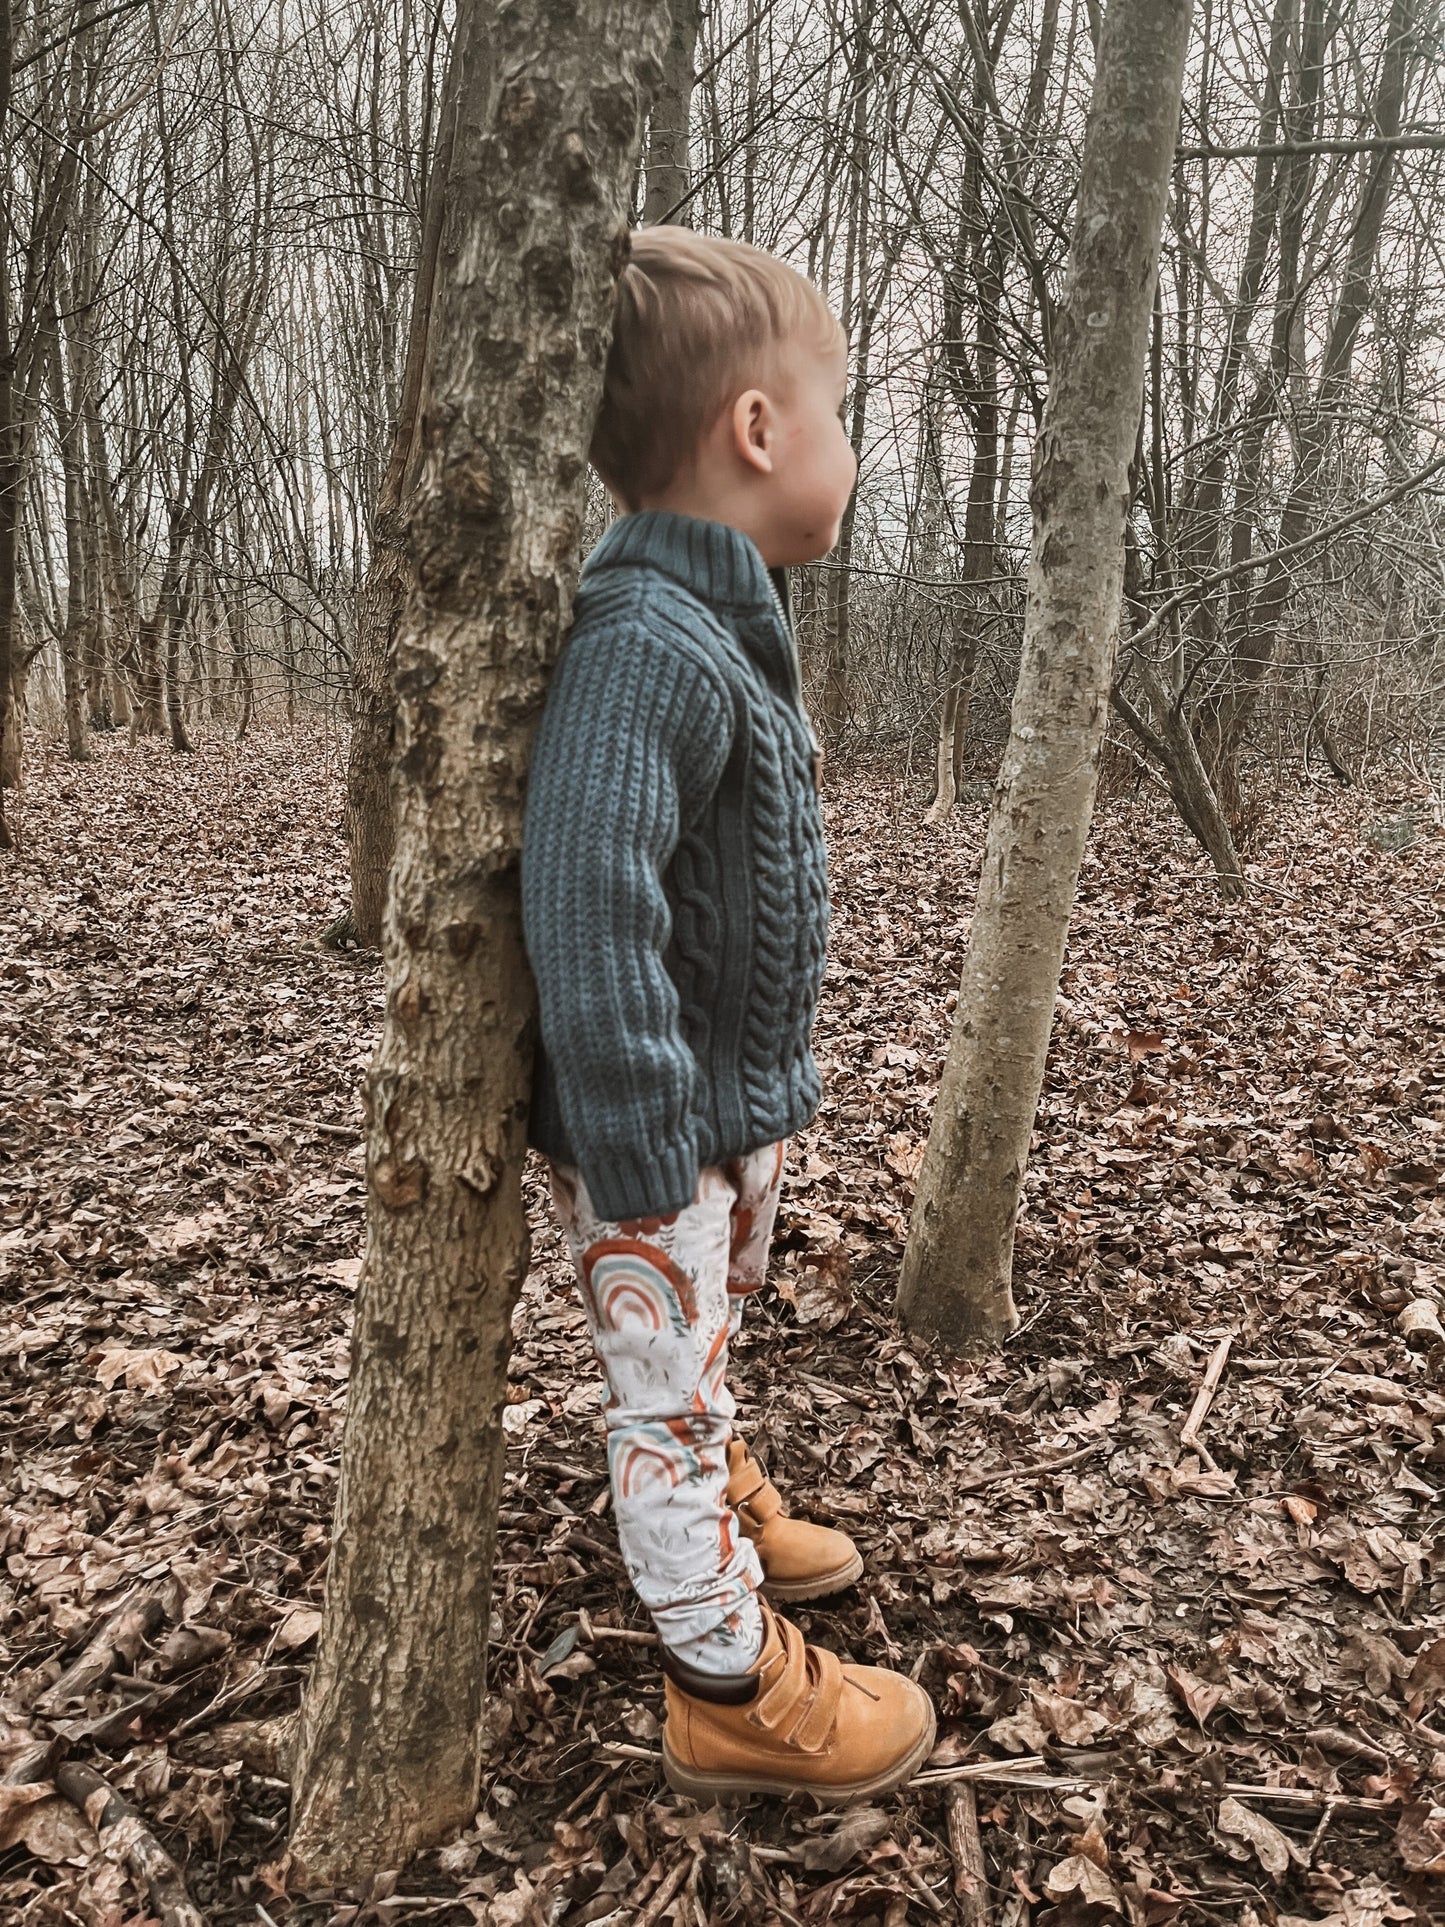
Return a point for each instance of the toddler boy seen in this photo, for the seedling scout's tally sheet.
(675, 896)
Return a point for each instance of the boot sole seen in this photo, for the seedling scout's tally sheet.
(703, 1786)
(821, 1586)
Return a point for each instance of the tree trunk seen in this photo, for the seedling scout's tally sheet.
(171, 620)
(955, 1285)
(1261, 617)
(9, 464)
(857, 308)
(370, 828)
(389, 1748)
(73, 639)
(668, 176)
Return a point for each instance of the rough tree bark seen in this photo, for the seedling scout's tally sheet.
(370, 821)
(955, 1285)
(389, 1747)
(669, 179)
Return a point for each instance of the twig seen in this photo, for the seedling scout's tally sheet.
(120, 1637)
(1147, 632)
(652, 1912)
(921, 1887)
(1303, 1796)
(244, 1689)
(970, 1881)
(594, 1785)
(994, 1776)
(1028, 1471)
(352, 1131)
(1199, 1411)
(979, 1769)
(628, 1635)
(107, 1812)
(620, 1750)
(33, 1763)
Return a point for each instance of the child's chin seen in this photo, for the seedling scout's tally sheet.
(811, 547)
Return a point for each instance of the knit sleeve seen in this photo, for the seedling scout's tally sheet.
(634, 726)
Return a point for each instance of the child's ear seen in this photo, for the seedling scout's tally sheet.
(753, 429)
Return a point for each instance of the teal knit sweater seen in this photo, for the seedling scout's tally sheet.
(674, 875)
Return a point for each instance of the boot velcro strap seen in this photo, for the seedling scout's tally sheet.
(820, 1715)
(799, 1702)
(750, 1486)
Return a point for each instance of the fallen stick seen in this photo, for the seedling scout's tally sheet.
(653, 1911)
(1034, 1471)
(628, 1635)
(262, 1745)
(980, 1769)
(1303, 1796)
(148, 1860)
(352, 1131)
(998, 1776)
(921, 1887)
(1199, 1411)
(120, 1637)
(33, 1764)
(1420, 1324)
(970, 1881)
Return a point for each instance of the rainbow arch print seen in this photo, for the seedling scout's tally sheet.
(648, 1458)
(628, 1279)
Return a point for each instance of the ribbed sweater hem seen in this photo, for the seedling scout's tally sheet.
(626, 1184)
(642, 1184)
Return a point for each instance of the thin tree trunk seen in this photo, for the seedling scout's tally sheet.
(838, 629)
(73, 639)
(955, 1285)
(389, 1748)
(10, 444)
(668, 176)
(169, 622)
(1226, 722)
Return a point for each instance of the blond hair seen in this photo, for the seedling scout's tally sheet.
(696, 321)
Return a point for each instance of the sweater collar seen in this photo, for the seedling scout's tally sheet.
(723, 567)
(718, 562)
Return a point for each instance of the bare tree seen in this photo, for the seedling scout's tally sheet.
(389, 1753)
(955, 1284)
(669, 176)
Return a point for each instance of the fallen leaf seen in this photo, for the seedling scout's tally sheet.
(1078, 1877)
(143, 1371)
(1075, 1725)
(1272, 1848)
(1198, 1695)
(301, 1624)
(1420, 1838)
(859, 1829)
(46, 1824)
(516, 1418)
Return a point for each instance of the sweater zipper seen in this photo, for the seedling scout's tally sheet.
(795, 668)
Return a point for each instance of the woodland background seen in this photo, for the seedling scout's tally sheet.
(214, 224)
(1192, 1674)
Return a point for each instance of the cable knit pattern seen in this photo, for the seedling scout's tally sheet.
(674, 873)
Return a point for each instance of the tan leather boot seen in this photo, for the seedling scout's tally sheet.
(799, 1560)
(799, 1721)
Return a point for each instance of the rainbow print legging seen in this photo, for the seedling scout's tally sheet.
(664, 1298)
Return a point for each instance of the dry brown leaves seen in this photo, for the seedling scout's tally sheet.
(1214, 1675)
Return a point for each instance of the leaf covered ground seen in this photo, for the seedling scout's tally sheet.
(1177, 1681)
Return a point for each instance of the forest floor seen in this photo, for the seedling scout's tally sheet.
(1183, 1684)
